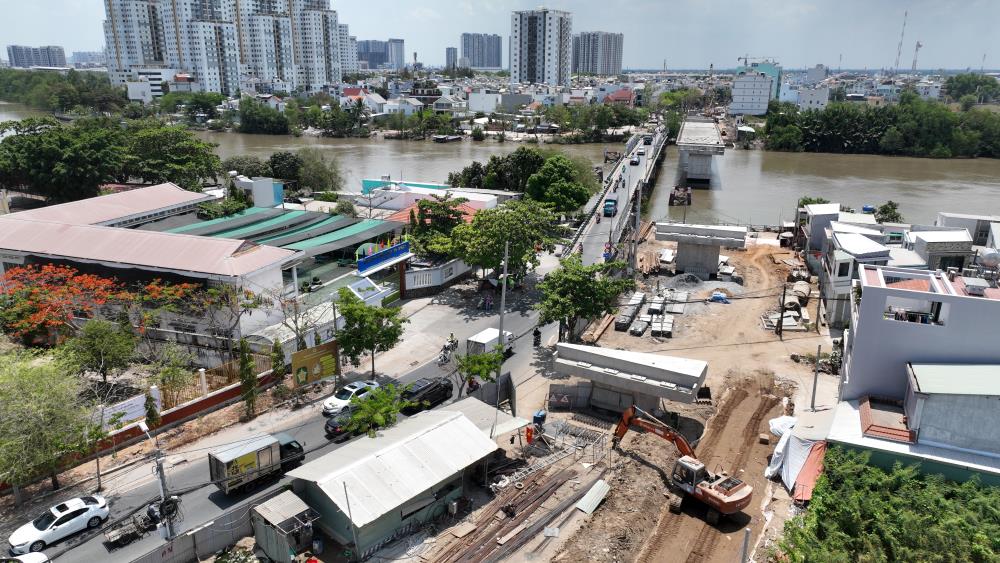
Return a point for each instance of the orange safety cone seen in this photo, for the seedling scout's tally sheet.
(529, 434)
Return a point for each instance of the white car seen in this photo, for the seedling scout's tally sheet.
(342, 398)
(641, 152)
(58, 522)
(26, 558)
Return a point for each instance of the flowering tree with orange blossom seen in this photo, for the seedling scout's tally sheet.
(44, 303)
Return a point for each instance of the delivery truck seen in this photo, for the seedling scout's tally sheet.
(486, 341)
(241, 466)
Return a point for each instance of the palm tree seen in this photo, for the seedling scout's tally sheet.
(359, 113)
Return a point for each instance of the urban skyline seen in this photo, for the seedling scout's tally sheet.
(655, 32)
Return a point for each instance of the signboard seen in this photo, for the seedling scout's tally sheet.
(381, 257)
(312, 364)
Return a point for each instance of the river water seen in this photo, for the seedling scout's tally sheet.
(754, 187)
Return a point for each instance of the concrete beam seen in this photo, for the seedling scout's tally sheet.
(666, 377)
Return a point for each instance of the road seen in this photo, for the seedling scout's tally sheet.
(595, 238)
(188, 469)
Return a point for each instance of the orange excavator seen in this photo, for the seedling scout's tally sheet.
(722, 493)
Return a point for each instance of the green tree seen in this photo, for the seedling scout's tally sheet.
(61, 163)
(157, 153)
(972, 84)
(892, 141)
(278, 361)
(477, 133)
(576, 291)
(554, 184)
(257, 117)
(43, 420)
(285, 165)
(483, 366)
(379, 409)
(968, 101)
(367, 329)
(432, 225)
(248, 379)
(152, 413)
(810, 200)
(173, 373)
(527, 225)
(247, 165)
(888, 212)
(102, 347)
(345, 208)
(319, 171)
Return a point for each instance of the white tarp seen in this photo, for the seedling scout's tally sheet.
(790, 454)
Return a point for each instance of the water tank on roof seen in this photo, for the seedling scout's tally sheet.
(990, 258)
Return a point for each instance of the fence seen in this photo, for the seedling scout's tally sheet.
(436, 275)
(215, 378)
(211, 537)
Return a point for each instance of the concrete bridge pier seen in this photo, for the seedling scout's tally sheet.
(698, 141)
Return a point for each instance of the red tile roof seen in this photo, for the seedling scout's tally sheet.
(403, 215)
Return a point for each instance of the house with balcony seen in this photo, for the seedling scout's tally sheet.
(451, 105)
(921, 372)
(846, 252)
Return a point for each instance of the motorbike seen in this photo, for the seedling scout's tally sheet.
(445, 356)
(598, 219)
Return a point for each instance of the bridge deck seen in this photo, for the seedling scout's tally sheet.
(700, 136)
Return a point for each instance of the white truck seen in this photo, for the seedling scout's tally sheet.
(240, 467)
(486, 341)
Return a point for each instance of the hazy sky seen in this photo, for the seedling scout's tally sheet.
(687, 33)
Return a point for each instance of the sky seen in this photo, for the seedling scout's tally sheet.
(688, 34)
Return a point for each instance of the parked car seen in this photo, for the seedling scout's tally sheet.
(634, 161)
(336, 426)
(59, 522)
(342, 398)
(427, 393)
(26, 558)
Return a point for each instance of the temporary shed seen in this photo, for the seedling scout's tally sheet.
(374, 489)
(282, 526)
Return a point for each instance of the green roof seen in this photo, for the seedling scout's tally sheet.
(355, 229)
(263, 225)
(957, 379)
(297, 230)
(244, 213)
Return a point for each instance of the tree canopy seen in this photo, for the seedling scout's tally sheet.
(554, 184)
(319, 170)
(258, 117)
(57, 92)
(979, 86)
(367, 329)
(888, 212)
(432, 225)
(527, 225)
(102, 347)
(159, 153)
(380, 408)
(576, 291)
(860, 512)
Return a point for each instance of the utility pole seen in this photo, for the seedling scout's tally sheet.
(167, 522)
(781, 314)
(503, 349)
(812, 403)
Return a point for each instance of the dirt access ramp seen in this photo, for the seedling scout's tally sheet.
(730, 444)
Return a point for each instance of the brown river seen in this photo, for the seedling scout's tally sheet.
(754, 187)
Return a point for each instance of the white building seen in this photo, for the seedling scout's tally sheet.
(814, 98)
(789, 93)
(482, 51)
(541, 47)
(348, 50)
(597, 52)
(397, 54)
(484, 101)
(27, 57)
(405, 106)
(451, 57)
(816, 74)
(928, 90)
(228, 45)
(751, 93)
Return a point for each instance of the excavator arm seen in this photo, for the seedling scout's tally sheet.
(634, 416)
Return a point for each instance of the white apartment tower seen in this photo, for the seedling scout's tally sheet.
(751, 93)
(597, 52)
(253, 45)
(397, 54)
(540, 47)
(348, 50)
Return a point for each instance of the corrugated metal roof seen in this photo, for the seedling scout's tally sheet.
(484, 416)
(106, 208)
(130, 247)
(406, 460)
(957, 379)
(594, 496)
(281, 508)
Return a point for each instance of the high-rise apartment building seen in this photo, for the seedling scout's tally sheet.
(483, 50)
(348, 51)
(87, 58)
(397, 54)
(26, 57)
(228, 45)
(373, 53)
(450, 57)
(597, 52)
(541, 45)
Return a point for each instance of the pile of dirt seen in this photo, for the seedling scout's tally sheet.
(683, 280)
(622, 524)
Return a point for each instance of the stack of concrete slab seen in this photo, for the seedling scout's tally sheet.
(645, 378)
(637, 299)
(639, 326)
(656, 305)
(675, 302)
(626, 314)
(662, 326)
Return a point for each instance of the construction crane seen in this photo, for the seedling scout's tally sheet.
(721, 493)
(913, 69)
(899, 48)
(747, 58)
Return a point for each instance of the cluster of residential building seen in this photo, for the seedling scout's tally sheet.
(21, 56)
